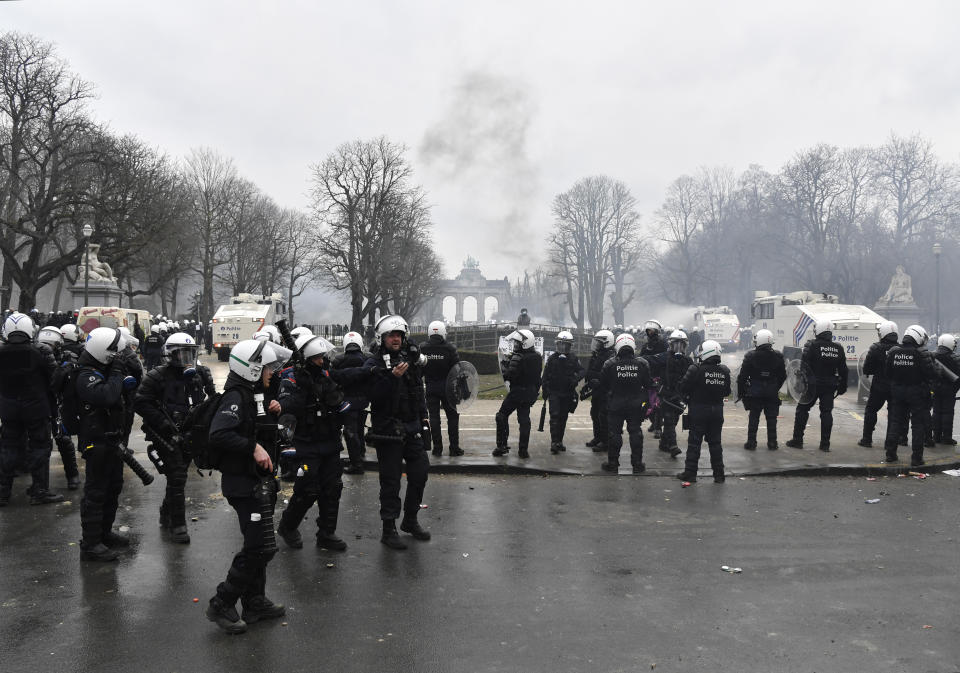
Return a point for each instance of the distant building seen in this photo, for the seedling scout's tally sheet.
(471, 294)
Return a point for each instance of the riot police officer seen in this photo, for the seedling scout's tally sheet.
(100, 382)
(355, 417)
(164, 400)
(398, 413)
(624, 380)
(561, 374)
(911, 373)
(314, 398)
(826, 362)
(654, 345)
(441, 357)
(875, 365)
(53, 338)
(602, 350)
(153, 348)
(72, 339)
(523, 372)
(131, 368)
(26, 377)
(945, 390)
(242, 450)
(762, 373)
(672, 365)
(705, 385)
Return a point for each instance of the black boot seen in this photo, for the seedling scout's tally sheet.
(610, 467)
(97, 552)
(225, 616)
(600, 447)
(455, 451)
(327, 539)
(258, 608)
(412, 526)
(750, 445)
(687, 476)
(291, 536)
(180, 534)
(592, 443)
(115, 540)
(354, 468)
(865, 442)
(795, 443)
(501, 451)
(523, 453)
(554, 448)
(391, 537)
(44, 497)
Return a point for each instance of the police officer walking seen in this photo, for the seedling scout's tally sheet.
(911, 373)
(314, 398)
(560, 377)
(875, 365)
(246, 459)
(827, 363)
(654, 345)
(164, 399)
(762, 373)
(672, 364)
(26, 377)
(945, 390)
(100, 384)
(355, 417)
(602, 350)
(398, 420)
(624, 380)
(441, 357)
(705, 385)
(153, 348)
(523, 372)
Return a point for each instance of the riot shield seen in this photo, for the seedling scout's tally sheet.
(462, 387)
(734, 375)
(800, 382)
(866, 380)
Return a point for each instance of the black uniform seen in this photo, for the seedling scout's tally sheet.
(355, 418)
(65, 446)
(705, 385)
(827, 366)
(875, 365)
(670, 367)
(598, 403)
(944, 398)
(762, 374)
(441, 357)
(398, 414)
(239, 424)
(653, 347)
(523, 371)
(130, 361)
(26, 405)
(624, 381)
(912, 375)
(561, 374)
(314, 398)
(153, 350)
(164, 399)
(99, 389)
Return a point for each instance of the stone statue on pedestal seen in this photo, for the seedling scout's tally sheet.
(99, 271)
(900, 290)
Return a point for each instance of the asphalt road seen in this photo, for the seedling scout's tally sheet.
(558, 573)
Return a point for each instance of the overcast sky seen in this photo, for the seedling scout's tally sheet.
(505, 104)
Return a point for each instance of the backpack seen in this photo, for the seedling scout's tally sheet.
(196, 432)
(65, 389)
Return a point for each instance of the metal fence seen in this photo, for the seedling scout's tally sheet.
(486, 338)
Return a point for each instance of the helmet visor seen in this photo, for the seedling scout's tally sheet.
(183, 356)
(564, 347)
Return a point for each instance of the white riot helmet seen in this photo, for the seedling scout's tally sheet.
(70, 332)
(886, 328)
(654, 326)
(437, 328)
(298, 332)
(311, 346)
(564, 342)
(154, 329)
(522, 339)
(248, 358)
(352, 341)
(709, 349)
(176, 324)
(603, 339)
(625, 341)
(269, 332)
(180, 350)
(51, 336)
(917, 335)
(18, 328)
(822, 326)
(947, 341)
(763, 337)
(678, 341)
(103, 344)
(391, 323)
(131, 340)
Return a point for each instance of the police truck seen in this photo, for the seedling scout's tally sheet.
(242, 317)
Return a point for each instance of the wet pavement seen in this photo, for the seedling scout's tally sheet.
(564, 569)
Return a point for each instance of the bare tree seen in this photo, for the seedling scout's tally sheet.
(300, 238)
(677, 221)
